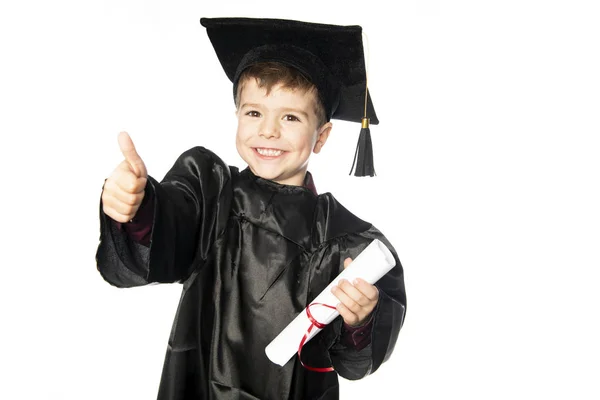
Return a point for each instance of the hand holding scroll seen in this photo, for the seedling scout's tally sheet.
(357, 299)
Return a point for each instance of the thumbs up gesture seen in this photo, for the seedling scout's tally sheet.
(124, 189)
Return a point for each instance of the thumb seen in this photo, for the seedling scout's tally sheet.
(133, 158)
(347, 262)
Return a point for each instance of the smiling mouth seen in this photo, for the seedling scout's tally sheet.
(268, 152)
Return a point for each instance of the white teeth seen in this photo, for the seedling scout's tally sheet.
(269, 152)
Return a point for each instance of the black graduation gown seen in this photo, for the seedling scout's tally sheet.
(251, 255)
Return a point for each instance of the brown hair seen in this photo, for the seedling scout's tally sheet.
(270, 74)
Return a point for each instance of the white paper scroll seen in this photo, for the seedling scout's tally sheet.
(371, 264)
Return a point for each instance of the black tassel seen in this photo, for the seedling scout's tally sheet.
(363, 157)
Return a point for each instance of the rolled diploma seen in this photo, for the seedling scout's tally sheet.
(370, 265)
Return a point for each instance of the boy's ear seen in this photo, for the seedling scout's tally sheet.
(322, 136)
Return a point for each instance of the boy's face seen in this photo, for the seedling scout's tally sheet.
(277, 132)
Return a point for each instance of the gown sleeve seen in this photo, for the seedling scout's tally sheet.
(388, 316)
(191, 207)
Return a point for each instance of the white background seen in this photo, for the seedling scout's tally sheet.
(488, 186)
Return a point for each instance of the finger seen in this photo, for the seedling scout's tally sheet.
(353, 292)
(346, 300)
(369, 291)
(130, 153)
(130, 199)
(127, 180)
(125, 187)
(131, 186)
(115, 215)
(347, 262)
(349, 317)
(120, 206)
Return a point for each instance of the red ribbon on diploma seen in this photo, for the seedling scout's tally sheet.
(317, 324)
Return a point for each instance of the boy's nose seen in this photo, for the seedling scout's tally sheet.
(269, 129)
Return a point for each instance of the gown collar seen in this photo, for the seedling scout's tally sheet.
(309, 183)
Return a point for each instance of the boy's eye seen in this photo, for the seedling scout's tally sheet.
(253, 114)
(290, 117)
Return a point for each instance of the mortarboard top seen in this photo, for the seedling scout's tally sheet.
(330, 56)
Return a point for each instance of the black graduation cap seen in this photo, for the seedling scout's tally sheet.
(330, 56)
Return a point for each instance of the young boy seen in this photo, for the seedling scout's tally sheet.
(253, 248)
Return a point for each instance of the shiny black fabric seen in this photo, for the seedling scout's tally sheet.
(251, 254)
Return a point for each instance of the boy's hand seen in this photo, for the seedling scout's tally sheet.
(124, 189)
(357, 299)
